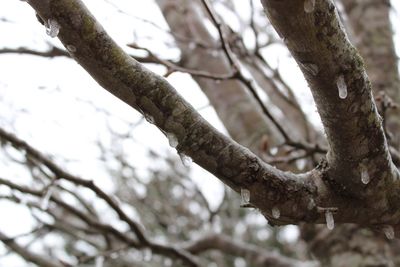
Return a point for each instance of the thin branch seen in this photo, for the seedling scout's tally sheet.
(256, 255)
(40, 260)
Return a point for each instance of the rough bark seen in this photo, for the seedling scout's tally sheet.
(321, 48)
(314, 39)
(353, 127)
(151, 94)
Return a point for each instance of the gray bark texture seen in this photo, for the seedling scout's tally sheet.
(357, 183)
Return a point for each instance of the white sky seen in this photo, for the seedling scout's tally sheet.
(55, 122)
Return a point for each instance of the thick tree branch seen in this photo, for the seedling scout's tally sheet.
(323, 60)
(335, 72)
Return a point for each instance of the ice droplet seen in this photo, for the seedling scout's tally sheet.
(44, 204)
(309, 6)
(276, 213)
(311, 68)
(311, 204)
(99, 261)
(186, 160)
(389, 232)
(364, 174)
(342, 87)
(71, 48)
(301, 164)
(245, 194)
(52, 28)
(273, 151)
(330, 222)
(173, 141)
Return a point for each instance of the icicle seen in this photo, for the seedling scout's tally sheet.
(301, 164)
(276, 213)
(99, 261)
(364, 174)
(311, 68)
(245, 196)
(309, 6)
(330, 222)
(71, 48)
(389, 232)
(52, 28)
(311, 204)
(186, 160)
(173, 141)
(273, 151)
(44, 204)
(342, 87)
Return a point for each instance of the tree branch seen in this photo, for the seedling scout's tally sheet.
(40, 260)
(259, 257)
(342, 91)
(157, 99)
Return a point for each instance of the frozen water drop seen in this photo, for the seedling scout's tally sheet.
(276, 213)
(52, 28)
(273, 151)
(172, 139)
(44, 204)
(99, 261)
(186, 160)
(311, 204)
(389, 232)
(71, 48)
(342, 87)
(364, 174)
(245, 194)
(301, 164)
(310, 68)
(309, 6)
(330, 222)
